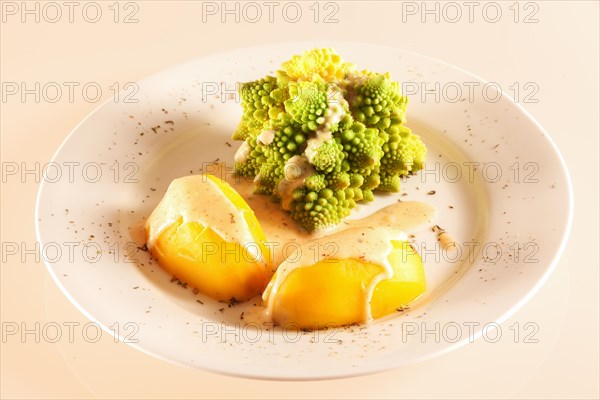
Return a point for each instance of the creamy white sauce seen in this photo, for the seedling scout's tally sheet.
(408, 216)
(356, 78)
(242, 153)
(295, 171)
(257, 315)
(372, 245)
(196, 198)
(266, 137)
(335, 106)
(313, 144)
(349, 84)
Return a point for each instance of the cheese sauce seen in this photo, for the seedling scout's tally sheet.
(242, 153)
(406, 216)
(266, 137)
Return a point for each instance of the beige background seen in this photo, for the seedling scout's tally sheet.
(559, 53)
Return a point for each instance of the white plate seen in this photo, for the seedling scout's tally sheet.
(114, 167)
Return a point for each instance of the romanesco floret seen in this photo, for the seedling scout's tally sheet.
(307, 104)
(326, 156)
(269, 175)
(363, 148)
(261, 100)
(322, 209)
(282, 139)
(321, 137)
(315, 182)
(377, 101)
(389, 183)
(338, 178)
(404, 153)
(248, 158)
(313, 64)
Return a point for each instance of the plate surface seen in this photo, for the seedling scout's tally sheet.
(496, 178)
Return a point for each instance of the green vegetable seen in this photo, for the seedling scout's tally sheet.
(321, 136)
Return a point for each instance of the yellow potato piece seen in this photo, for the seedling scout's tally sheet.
(333, 292)
(200, 257)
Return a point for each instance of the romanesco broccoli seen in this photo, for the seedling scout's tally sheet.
(321, 136)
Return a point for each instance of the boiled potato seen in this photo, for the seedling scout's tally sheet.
(333, 292)
(193, 233)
